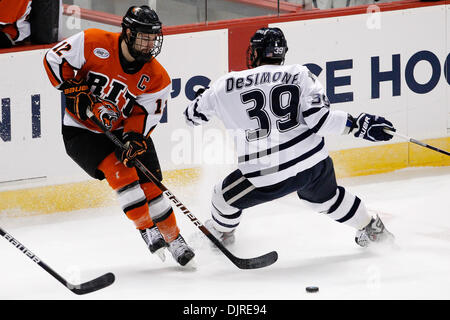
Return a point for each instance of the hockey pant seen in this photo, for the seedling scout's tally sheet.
(316, 186)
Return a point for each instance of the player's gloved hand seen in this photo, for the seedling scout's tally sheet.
(134, 145)
(371, 127)
(78, 97)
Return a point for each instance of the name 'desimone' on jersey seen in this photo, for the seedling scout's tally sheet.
(259, 78)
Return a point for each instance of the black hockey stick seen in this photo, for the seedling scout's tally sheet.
(83, 288)
(251, 263)
(420, 143)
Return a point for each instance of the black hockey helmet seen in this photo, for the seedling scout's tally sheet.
(144, 20)
(268, 45)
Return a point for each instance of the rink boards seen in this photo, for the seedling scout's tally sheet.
(367, 63)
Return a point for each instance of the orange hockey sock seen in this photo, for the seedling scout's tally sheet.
(130, 195)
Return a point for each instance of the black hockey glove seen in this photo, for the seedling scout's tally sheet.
(78, 97)
(370, 127)
(134, 145)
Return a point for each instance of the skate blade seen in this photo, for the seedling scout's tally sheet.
(160, 253)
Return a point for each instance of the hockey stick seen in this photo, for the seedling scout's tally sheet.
(83, 288)
(420, 143)
(251, 263)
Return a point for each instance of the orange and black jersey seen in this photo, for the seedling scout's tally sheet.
(14, 19)
(94, 55)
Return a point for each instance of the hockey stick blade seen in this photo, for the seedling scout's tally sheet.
(255, 263)
(90, 286)
(251, 263)
(93, 285)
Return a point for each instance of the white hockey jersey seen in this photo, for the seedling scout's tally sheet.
(278, 115)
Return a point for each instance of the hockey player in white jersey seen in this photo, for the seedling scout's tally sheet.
(280, 114)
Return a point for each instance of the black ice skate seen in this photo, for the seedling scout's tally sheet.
(226, 238)
(373, 232)
(180, 251)
(155, 241)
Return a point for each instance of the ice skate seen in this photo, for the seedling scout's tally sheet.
(155, 241)
(181, 252)
(226, 238)
(373, 232)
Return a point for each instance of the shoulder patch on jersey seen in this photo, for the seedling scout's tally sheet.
(101, 53)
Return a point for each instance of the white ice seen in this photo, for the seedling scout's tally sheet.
(313, 250)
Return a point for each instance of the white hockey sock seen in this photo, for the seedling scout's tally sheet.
(226, 218)
(344, 208)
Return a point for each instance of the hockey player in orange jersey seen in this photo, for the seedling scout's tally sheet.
(119, 79)
(14, 24)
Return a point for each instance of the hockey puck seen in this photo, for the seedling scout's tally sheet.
(312, 289)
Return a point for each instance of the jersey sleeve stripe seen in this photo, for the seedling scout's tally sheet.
(310, 111)
(319, 124)
(144, 130)
(150, 131)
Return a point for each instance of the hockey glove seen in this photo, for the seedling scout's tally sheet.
(370, 127)
(107, 112)
(134, 145)
(78, 97)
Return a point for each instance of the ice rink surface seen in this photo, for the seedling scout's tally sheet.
(313, 250)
